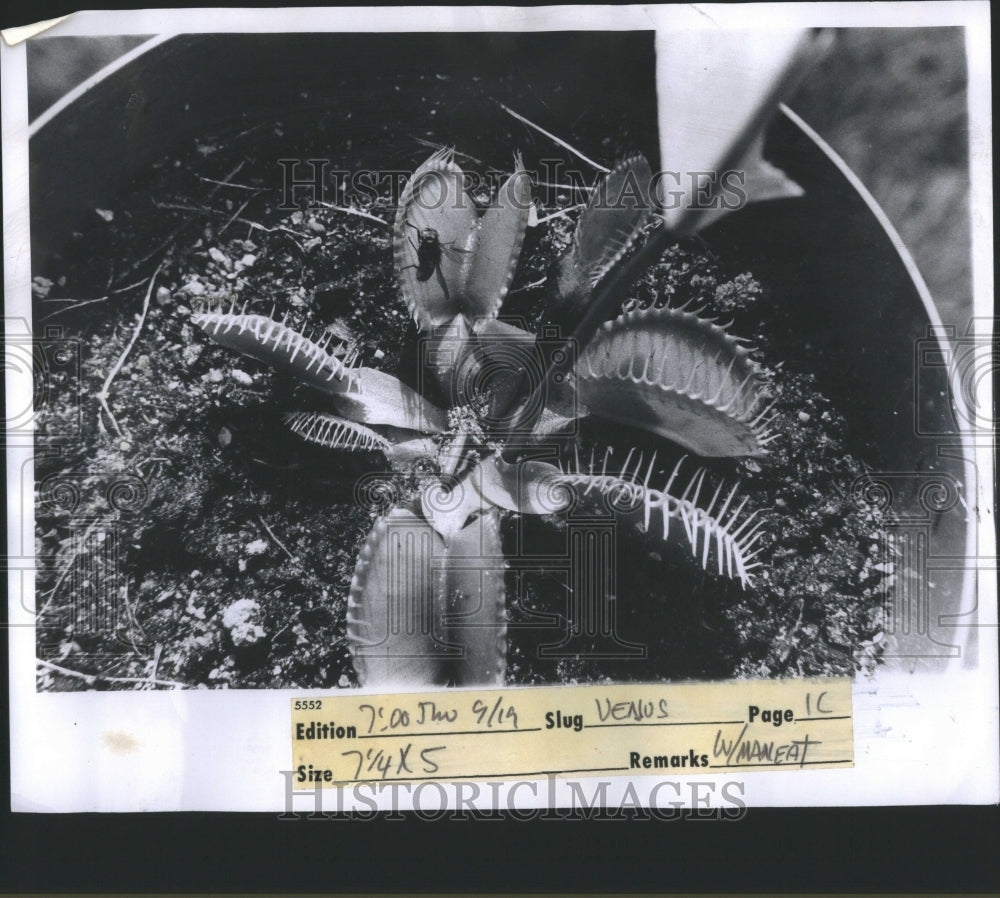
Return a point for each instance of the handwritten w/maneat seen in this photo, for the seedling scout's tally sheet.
(761, 753)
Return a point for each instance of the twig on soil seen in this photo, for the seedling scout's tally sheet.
(279, 543)
(79, 303)
(530, 286)
(292, 620)
(257, 226)
(91, 679)
(51, 593)
(184, 207)
(229, 184)
(247, 131)
(280, 229)
(352, 211)
(175, 231)
(253, 225)
(798, 620)
(440, 146)
(76, 305)
(132, 622)
(552, 136)
(127, 287)
(156, 661)
(156, 459)
(234, 216)
(561, 213)
(790, 634)
(102, 396)
(582, 188)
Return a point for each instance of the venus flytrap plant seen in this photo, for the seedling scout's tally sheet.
(427, 600)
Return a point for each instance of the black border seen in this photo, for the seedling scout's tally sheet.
(844, 850)
(917, 849)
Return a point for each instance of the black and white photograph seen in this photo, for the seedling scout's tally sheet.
(394, 359)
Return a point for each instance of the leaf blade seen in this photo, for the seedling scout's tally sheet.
(497, 247)
(527, 487)
(475, 606)
(434, 198)
(380, 398)
(676, 375)
(393, 612)
(608, 227)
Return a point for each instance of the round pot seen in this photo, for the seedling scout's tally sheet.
(830, 257)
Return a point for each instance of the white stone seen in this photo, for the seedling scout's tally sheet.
(241, 620)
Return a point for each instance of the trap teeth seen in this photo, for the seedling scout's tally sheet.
(332, 432)
(709, 530)
(276, 344)
(676, 375)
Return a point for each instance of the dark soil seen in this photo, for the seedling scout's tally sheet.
(222, 504)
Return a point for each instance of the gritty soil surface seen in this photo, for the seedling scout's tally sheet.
(187, 537)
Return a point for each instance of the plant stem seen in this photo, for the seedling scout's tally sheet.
(601, 305)
(453, 455)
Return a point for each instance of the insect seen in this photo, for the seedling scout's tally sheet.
(430, 250)
(472, 252)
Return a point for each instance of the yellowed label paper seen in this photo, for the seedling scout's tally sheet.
(574, 731)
